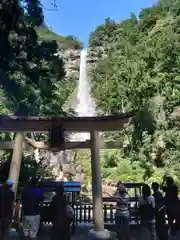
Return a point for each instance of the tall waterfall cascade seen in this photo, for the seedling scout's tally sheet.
(85, 107)
(85, 104)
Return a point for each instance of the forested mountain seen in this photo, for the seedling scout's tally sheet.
(64, 42)
(139, 74)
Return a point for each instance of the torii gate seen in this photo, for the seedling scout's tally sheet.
(93, 125)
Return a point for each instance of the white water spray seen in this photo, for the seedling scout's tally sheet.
(85, 106)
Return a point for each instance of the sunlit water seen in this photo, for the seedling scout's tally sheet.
(85, 105)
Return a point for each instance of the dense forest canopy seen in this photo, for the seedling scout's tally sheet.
(32, 76)
(31, 73)
(139, 73)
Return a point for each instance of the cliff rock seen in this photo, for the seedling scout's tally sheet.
(71, 59)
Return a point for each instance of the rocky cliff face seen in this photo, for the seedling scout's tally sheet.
(71, 59)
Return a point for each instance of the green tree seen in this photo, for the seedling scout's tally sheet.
(31, 73)
(31, 69)
(138, 74)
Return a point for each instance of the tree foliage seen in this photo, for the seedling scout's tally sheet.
(64, 42)
(138, 74)
(32, 75)
(30, 70)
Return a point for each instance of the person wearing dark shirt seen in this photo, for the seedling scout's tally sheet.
(31, 206)
(147, 207)
(6, 207)
(161, 229)
(171, 199)
(60, 219)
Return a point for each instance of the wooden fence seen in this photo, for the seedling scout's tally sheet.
(84, 212)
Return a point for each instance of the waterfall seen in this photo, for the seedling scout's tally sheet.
(85, 104)
(85, 108)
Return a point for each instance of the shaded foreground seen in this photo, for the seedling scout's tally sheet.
(82, 232)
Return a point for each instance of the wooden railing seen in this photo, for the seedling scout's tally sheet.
(84, 212)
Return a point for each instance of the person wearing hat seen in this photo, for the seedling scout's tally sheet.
(9, 182)
(6, 206)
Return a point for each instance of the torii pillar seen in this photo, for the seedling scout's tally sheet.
(15, 166)
(98, 231)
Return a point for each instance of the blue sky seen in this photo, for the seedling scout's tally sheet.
(80, 17)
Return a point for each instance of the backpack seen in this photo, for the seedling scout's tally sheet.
(146, 211)
(69, 212)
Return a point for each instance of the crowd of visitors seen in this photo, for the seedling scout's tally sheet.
(32, 199)
(153, 206)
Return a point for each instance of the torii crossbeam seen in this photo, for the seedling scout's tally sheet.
(69, 124)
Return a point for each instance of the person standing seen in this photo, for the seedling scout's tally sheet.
(171, 199)
(161, 229)
(32, 199)
(147, 211)
(122, 214)
(6, 207)
(60, 219)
